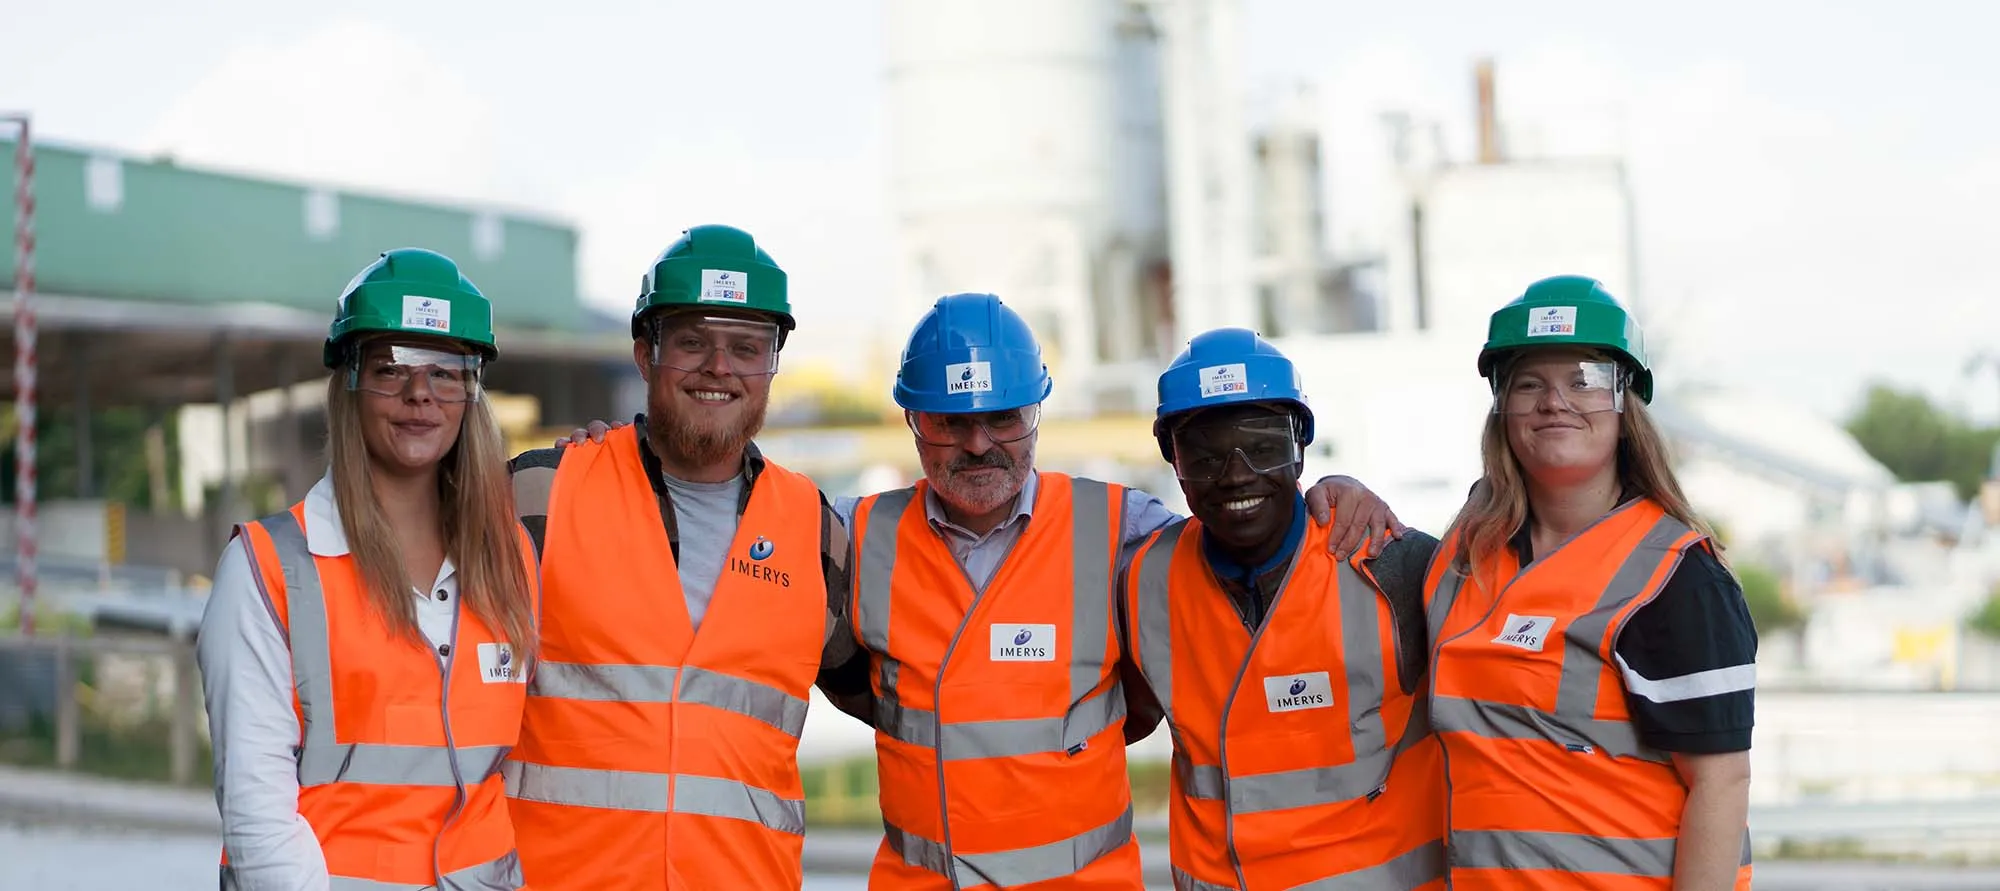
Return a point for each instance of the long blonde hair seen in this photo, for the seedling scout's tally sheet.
(1498, 505)
(481, 532)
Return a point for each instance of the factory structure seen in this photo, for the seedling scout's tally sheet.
(1092, 162)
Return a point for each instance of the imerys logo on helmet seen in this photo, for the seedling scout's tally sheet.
(1023, 643)
(1552, 321)
(724, 286)
(1298, 692)
(969, 377)
(426, 313)
(1223, 380)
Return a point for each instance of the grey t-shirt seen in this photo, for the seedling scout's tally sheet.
(705, 516)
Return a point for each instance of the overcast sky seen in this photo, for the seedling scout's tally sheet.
(1817, 184)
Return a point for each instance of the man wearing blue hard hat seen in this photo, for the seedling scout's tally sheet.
(984, 598)
(1304, 667)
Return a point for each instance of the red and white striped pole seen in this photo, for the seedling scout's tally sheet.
(24, 369)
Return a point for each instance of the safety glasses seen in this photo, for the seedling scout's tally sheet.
(397, 370)
(691, 343)
(1202, 452)
(1580, 388)
(1010, 425)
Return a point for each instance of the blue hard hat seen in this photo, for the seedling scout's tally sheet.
(1228, 366)
(970, 353)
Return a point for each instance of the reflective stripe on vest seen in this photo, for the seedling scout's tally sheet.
(1410, 870)
(501, 874)
(1573, 723)
(1090, 626)
(655, 684)
(649, 792)
(1362, 657)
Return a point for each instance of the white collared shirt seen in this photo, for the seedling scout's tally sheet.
(246, 672)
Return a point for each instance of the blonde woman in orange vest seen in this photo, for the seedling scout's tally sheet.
(1291, 679)
(1594, 662)
(363, 654)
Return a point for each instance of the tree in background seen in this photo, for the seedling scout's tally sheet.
(120, 468)
(1987, 619)
(1770, 609)
(1920, 442)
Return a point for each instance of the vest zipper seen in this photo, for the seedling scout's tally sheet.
(445, 664)
(937, 691)
(1229, 705)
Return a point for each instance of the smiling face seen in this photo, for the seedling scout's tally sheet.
(1239, 469)
(977, 462)
(708, 381)
(1560, 419)
(411, 396)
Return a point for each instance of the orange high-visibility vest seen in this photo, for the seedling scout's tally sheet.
(1298, 759)
(1000, 721)
(654, 756)
(400, 746)
(1550, 786)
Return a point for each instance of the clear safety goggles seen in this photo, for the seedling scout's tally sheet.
(1010, 425)
(1202, 452)
(394, 371)
(1579, 388)
(690, 343)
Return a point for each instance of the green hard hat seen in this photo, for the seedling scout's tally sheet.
(412, 291)
(1568, 310)
(720, 267)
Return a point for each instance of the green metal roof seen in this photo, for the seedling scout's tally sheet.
(112, 226)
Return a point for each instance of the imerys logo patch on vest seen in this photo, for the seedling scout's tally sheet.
(497, 664)
(1024, 643)
(1298, 692)
(1526, 632)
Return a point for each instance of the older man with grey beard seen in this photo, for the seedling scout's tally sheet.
(983, 601)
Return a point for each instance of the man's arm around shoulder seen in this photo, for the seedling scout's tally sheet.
(534, 474)
(843, 672)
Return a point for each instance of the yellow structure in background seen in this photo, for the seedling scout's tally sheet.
(114, 532)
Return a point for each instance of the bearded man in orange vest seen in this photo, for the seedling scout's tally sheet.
(983, 597)
(1291, 679)
(693, 591)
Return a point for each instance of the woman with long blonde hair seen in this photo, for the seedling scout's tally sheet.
(364, 654)
(1593, 661)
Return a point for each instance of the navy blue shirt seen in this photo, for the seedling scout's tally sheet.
(1243, 582)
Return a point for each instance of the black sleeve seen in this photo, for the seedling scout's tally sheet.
(1400, 569)
(1689, 661)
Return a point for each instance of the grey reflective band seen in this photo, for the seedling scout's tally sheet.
(323, 760)
(1020, 866)
(1406, 871)
(966, 740)
(502, 873)
(651, 793)
(654, 684)
(603, 683)
(1090, 713)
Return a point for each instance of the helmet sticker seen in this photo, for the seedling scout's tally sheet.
(1224, 380)
(426, 313)
(724, 286)
(968, 377)
(1551, 321)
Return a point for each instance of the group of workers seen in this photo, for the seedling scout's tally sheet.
(589, 667)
